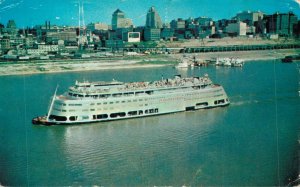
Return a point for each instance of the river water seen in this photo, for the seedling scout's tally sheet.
(251, 142)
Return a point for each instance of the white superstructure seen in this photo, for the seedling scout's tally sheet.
(101, 101)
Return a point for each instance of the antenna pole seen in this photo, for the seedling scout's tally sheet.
(50, 109)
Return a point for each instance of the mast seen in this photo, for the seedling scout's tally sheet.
(51, 105)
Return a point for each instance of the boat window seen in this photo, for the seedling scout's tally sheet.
(95, 96)
(219, 101)
(132, 113)
(73, 118)
(56, 109)
(119, 114)
(137, 93)
(140, 112)
(104, 95)
(75, 104)
(202, 104)
(98, 103)
(149, 92)
(129, 94)
(102, 116)
(117, 95)
(58, 118)
(85, 117)
(111, 102)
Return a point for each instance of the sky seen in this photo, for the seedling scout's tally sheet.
(65, 12)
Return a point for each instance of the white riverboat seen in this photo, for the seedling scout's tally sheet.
(87, 102)
(233, 62)
(183, 64)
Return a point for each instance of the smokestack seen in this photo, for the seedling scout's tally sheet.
(49, 24)
(46, 25)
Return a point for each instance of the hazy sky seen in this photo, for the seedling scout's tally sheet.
(65, 12)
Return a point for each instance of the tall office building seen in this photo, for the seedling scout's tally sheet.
(11, 27)
(153, 19)
(120, 21)
(282, 24)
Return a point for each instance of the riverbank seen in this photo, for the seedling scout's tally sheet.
(246, 55)
(59, 66)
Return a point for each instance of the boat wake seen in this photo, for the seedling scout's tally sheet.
(239, 103)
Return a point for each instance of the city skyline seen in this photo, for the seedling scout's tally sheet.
(35, 12)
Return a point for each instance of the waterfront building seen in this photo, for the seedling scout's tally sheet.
(178, 24)
(167, 33)
(153, 19)
(5, 43)
(1, 28)
(120, 32)
(151, 34)
(17, 41)
(297, 29)
(141, 30)
(43, 49)
(166, 25)
(42, 30)
(222, 24)
(114, 44)
(97, 26)
(238, 28)
(66, 35)
(131, 36)
(281, 23)
(251, 30)
(120, 21)
(204, 21)
(188, 34)
(11, 28)
(101, 34)
(249, 17)
(205, 32)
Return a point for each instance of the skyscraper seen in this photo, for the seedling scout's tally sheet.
(119, 20)
(153, 19)
(11, 27)
(282, 24)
